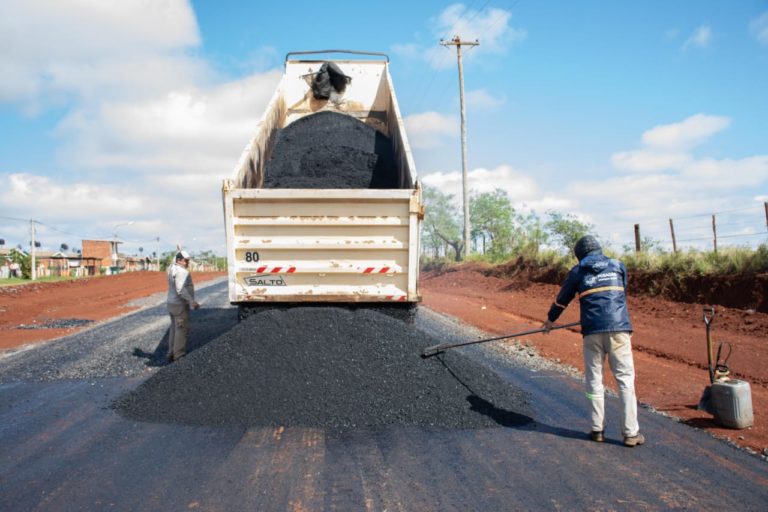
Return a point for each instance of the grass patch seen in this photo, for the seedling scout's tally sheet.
(725, 262)
(14, 281)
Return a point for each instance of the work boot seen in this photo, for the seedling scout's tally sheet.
(597, 436)
(635, 440)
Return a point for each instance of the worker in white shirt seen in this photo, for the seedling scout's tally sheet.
(181, 298)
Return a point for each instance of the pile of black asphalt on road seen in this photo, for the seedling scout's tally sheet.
(324, 367)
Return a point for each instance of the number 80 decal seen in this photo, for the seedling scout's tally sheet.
(251, 256)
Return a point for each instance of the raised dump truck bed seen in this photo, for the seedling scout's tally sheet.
(314, 245)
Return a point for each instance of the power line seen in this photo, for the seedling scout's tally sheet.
(498, 17)
(719, 236)
(451, 33)
(741, 235)
(698, 215)
(17, 219)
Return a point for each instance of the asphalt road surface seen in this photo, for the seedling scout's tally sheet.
(62, 447)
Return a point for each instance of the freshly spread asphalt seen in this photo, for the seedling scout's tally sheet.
(322, 367)
(64, 448)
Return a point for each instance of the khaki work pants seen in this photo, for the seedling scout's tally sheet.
(618, 347)
(177, 334)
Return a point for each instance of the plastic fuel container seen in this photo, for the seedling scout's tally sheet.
(732, 403)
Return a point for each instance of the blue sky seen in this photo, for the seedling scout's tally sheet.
(617, 112)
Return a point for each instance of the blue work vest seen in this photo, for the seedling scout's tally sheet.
(600, 283)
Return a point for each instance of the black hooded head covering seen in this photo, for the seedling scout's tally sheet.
(586, 245)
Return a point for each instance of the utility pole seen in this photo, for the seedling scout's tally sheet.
(33, 270)
(157, 254)
(458, 43)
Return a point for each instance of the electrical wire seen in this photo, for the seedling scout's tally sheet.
(442, 60)
(700, 215)
(20, 220)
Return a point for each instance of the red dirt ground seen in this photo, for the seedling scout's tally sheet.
(95, 298)
(669, 341)
(669, 338)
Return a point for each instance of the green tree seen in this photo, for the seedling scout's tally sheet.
(166, 259)
(566, 229)
(219, 263)
(442, 225)
(24, 261)
(530, 235)
(492, 218)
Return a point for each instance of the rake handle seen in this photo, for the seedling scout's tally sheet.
(431, 351)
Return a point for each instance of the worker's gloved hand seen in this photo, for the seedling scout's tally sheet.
(195, 305)
(547, 326)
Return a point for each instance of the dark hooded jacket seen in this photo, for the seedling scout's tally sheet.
(600, 283)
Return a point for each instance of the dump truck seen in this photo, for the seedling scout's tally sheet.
(311, 246)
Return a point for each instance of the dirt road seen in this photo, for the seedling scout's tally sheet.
(38, 306)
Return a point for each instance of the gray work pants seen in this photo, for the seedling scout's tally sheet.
(618, 347)
(177, 335)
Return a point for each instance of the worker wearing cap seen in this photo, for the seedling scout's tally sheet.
(600, 283)
(181, 298)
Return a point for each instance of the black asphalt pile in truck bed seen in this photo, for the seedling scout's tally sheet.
(331, 150)
(324, 368)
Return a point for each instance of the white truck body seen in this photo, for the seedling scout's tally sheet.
(324, 245)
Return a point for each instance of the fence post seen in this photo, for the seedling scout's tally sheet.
(714, 232)
(672, 230)
(637, 238)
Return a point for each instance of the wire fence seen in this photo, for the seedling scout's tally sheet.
(741, 227)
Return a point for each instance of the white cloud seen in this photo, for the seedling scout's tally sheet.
(40, 197)
(490, 26)
(649, 160)
(617, 204)
(408, 50)
(688, 133)
(192, 130)
(482, 99)
(665, 152)
(150, 130)
(667, 145)
(728, 174)
(522, 189)
(759, 28)
(701, 38)
(672, 184)
(63, 47)
(430, 129)
(172, 207)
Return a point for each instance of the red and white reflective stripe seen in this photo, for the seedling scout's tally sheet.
(395, 297)
(379, 270)
(275, 270)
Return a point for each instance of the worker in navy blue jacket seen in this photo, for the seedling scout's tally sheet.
(600, 283)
